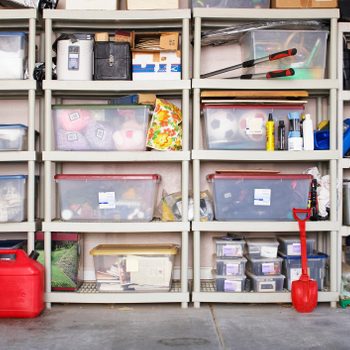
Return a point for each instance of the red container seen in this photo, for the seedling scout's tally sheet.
(21, 285)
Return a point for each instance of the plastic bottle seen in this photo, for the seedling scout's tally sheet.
(270, 134)
(295, 141)
(308, 133)
(281, 135)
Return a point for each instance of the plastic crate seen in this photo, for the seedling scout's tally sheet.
(13, 137)
(232, 3)
(308, 63)
(316, 268)
(107, 197)
(265, 267)
(230, 283)
(230, 267)
(228, 247)
(242, 127)
(13, 194)
(262, 248)
(266, 284)
(127, 268)
(100, 127)
(252, 196)
(290, 245)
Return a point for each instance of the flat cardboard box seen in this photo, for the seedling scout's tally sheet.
(161, 65)
(304, 3)
(152, 4)
(88, 4)
(168, 41)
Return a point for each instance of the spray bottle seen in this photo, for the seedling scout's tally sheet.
(270, 134)
(308, 133)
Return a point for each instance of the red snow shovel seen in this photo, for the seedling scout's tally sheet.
(305, 290)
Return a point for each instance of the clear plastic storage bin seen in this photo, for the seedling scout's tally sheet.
(266, 283)
(13, 54)
(230, 267)
(107, 197)
(258, 248)
(13, 137)
(316, 268)
(252, 196)
(101, 127)
(290, 245)
(265, 266)
(13, 198)
(308, 63)
(128, 268)
(243, 127)
(232, 3)
(228, 247)
(230, 283)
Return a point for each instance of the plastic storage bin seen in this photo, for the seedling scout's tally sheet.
(265, 266)
(13, 137)
(252, 196)
(100, 127)
(228, 247)
(290, 245)
(258, 248)
(266, 283)
(230, 283)
(308, 63)
(12, 244)
(230, 267)
(124, 268)
(13, 54)
(13, 195)
(232, 3)
(241, 127)
(316, 268)
(152, 4)
(107, 197)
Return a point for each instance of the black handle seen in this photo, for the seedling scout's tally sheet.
(283, 54)
(280, 73)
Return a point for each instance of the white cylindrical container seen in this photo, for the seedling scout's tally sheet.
(75, 58)
(308, 133)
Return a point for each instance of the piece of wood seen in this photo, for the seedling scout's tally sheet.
(255, 93)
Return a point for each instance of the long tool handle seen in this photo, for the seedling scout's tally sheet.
(252, 63)
(302, 229)
(269, 75)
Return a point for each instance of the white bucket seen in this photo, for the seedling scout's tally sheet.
(75, 58)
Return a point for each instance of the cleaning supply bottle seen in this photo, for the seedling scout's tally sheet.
(295, 141)
(308, 133)
(270, 134)
(281, 135)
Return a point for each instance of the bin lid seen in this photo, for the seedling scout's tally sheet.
(253, 106)
(264, 241)
(139, 249)
(13, 177)
(99, 106)
(298, 257)
(108, 177)
(13, 126)
(257, 176)
(12, 34)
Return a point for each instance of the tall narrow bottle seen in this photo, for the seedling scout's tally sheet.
(281, 135)
(270, 134)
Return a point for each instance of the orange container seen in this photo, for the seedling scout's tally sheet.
(22, 285)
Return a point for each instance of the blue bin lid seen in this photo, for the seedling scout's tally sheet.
(13, 177)
(12, 33)
(13, 126)
(298, 257)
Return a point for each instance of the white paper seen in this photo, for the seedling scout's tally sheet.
(232, 286)
(262, 197)
(267, 268)
(268, 252)
(254, 126)
(132, 264)
(106, 200)
(231, 250)
(269, 286)
(294, 249)
(232, 269)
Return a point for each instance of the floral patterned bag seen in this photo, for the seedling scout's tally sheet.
(165, 131)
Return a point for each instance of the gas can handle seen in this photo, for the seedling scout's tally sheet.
(20, 254)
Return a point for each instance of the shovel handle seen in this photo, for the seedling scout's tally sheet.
(302, 229)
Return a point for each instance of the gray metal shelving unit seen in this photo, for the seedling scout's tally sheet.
(73, 21)
(23, 20)
(204, 291)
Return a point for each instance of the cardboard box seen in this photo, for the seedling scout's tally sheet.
(155, 41)
(88, 4)
(152, 4)
(304, 3)
(162, 65)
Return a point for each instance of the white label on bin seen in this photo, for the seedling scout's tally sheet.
(227, 195)
(106, 200)
(254, 126)
(295, 274)
(267, 268)
(269, 286)
(268, 252)
(231, 250)
(72, 136)
(232, 286)
(74, 116)
(132, 264)
(294, 249)
(262, 196)
(232, 269)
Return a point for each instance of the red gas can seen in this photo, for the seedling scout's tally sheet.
(21, 285)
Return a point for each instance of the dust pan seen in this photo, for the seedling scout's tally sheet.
(305, 290)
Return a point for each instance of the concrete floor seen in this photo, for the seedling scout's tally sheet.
(156, 327)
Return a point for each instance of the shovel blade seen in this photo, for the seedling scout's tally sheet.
(304, 295)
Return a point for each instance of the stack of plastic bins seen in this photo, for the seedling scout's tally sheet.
(289, 250)
(230, 265)
(263, 266)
